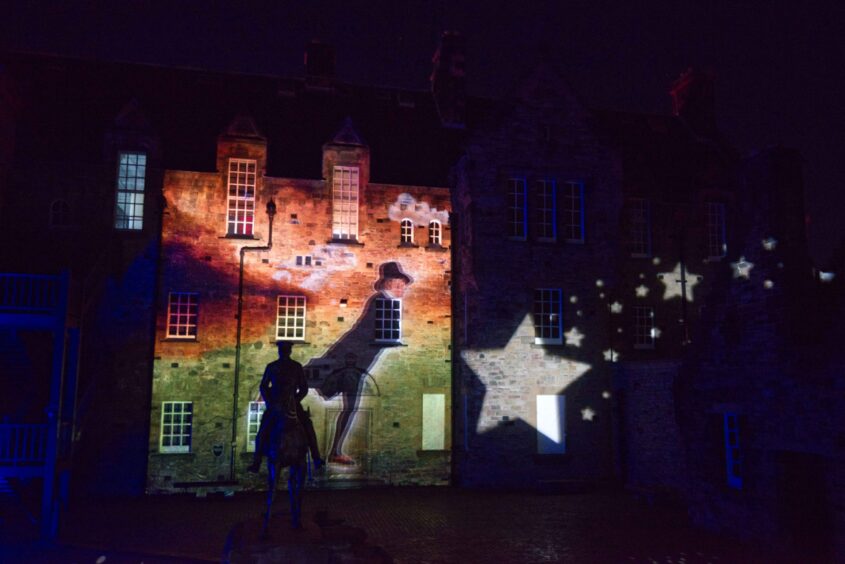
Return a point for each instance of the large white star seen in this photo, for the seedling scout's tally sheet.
(742, 268)
(548, 369)
(674, 287)
(641, 290)
(574, 337)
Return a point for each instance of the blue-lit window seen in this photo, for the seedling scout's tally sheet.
(253, 422)
(546, 210)
(131, 176)
(573, 212)
(548, 318)
(517, 208)
(388, 320)
(177, 419)
(733, 454)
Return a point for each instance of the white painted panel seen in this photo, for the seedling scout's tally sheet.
(551, 424)
(434, 422)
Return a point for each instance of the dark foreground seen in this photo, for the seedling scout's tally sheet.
(408, 524)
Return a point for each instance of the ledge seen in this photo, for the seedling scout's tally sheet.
(387, 344)
(407, 246)
(347, 242)
(177, 455)
(177, 340)
(240, 237)
(436, 248)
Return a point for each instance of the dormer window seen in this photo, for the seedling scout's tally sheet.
(345, 203)
(129, 207)
(406, 231)
(241, 190)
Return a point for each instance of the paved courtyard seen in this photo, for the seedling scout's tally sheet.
(410, 524)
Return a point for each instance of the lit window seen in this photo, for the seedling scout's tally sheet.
(548, 321)
(639, 227)
(388, 319)
(131, 173)
(59, 214)
(176, 425)
(644, 330)
(733, 455)
(182, 315)
(517, 208)
(241, 197)
(435, 233)
(551, 424)
(406, 231)
(546, 210)
(253, 422)
(717, 246)
(290, 318)
(573, 212)
(345, 203)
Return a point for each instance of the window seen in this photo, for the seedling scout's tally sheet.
(304, 260)
(59, 214)
(176, 424)
(573, 212)
(733, 455)
(517, 208)
(546, 210)
(388, 319)
(253, 422)
(241, 197)
(717, 246)
(345, 203)
(435, 233)
(131, 173)
(548, 321)
(551, 424)
(182, 315)
(644, 331)
(639, 227)
(433, 421)
(406, 231)
(290, 318)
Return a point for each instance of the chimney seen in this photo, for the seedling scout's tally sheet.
(448, 79)
(693, 100)
(319, 63)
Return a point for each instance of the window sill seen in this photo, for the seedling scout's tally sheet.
(348, 242)
(407, 246)
(292, 342)
(184, 455)
(240, 237)
(179, 340)
(640, 256)
(387, 344)
(436, 249)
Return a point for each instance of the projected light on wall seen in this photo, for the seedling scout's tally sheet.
(742, 268)
(641, 291)
(676, 281)
(588, 413)
(551, 417)
(769, 243)
(610, 355)
(574, 337)
(615, 307)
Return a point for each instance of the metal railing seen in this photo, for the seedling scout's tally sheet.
(29, 293)
(22, 444)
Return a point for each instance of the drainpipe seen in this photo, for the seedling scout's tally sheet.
(271, 213)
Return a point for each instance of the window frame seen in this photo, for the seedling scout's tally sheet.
(734, 464)
(570, 226)
(545, 213)
(715, 225)
(244, 202)
(187, 316)
(406, 231)
(639, 227)
(517, 208)
(345, 210)
(180, 448)
(280, 327)
(541, 297)
(435, 233)
(380, 320)
(253, 422)
(130, 196)
(644, 327)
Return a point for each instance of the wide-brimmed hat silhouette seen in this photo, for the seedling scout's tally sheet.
(391, 271)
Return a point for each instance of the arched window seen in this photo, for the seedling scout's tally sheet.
(406, 231)
(59, 213)
(435, 232)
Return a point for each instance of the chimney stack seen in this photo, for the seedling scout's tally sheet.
(448, 79)
(694, 100)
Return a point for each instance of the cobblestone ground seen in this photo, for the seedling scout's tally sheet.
(411, 524)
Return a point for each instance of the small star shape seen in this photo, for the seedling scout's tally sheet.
(641, 290)
(610, 355)
(599, 283)
(587, 414)
(615, 307)
(574, 337)
(742, 268)
(769, 243)
(605, 394)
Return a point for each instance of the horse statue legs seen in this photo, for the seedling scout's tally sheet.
(296, 482)
(288, 448)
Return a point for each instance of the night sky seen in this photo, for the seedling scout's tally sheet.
(780, 66)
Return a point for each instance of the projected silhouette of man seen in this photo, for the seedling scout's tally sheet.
(283, 379)
(359, 351)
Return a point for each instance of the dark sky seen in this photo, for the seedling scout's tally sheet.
(780, 66)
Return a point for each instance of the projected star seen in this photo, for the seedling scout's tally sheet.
(675, 282)
(655, 333)
(742, 268)
(610, 355)
(641, 291)
(768, 284)
(827, 276)
(605, 394)
(615, 307)
(587, 414)
(574, 337)
(769, 243)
